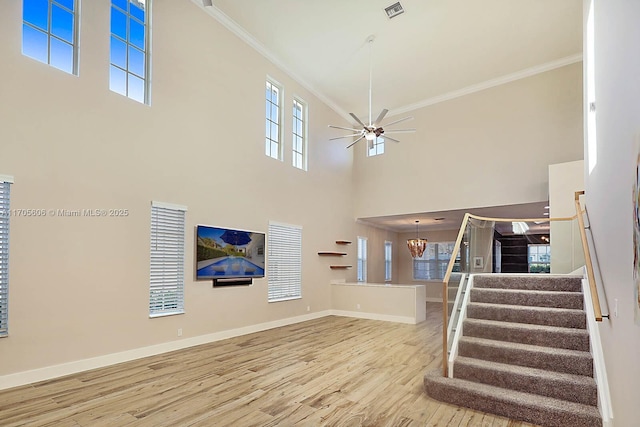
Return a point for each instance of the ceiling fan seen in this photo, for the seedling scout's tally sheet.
(374, 129)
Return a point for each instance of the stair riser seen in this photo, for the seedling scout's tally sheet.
(563, 319)
(574, 364)
(573, 392)
(572, 339)
(530, 283)
(573, 300)
(536, 415)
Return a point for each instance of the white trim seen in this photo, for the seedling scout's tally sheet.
(168, 206)
(599, 366)
(283, 224)
(236, 29)
(49, 372)
(528, 72)
(6, 178)
(240, 32)
(374, 316)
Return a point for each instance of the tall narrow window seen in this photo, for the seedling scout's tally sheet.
(129, 70)
(5, 183)
(166, 291)
(362, 259)
(272, 132)
(376, 146)
(284, 268)
(388, 250)
(299, 134)
(50, 33)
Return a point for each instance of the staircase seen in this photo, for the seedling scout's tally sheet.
(524, 353)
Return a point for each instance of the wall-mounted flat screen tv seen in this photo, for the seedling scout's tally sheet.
(224, 253)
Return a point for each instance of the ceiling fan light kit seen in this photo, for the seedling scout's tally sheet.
(374, 129)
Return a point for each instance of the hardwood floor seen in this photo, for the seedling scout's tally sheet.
(334, 371)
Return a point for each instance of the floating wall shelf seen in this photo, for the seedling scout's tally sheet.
(339, 267)
(343, 242)
(330, 253)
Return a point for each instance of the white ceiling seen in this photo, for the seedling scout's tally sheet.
(435, 50)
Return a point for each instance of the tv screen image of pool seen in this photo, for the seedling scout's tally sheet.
(224, 253)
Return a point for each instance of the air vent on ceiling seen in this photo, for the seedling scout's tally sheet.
(394, 10)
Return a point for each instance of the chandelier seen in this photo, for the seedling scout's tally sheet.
(416, 246)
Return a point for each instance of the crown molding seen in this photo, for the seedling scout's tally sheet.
(245, 36)
(528, 72)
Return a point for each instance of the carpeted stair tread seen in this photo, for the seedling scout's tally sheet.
(574, 388)
(549, 316)
(556, 299)
(555, 359)
(524, 333)
(513, 404)
(544, 282)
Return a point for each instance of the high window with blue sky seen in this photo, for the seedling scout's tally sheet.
(129, 69)
(50, 33)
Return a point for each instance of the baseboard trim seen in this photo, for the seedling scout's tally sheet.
(374, 316)
(55, 371)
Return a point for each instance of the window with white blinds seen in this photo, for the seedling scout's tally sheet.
(166, 291)
(284, 268)
(5, 183)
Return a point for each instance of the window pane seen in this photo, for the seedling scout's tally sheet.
(36, 12)
(136, 34)
(69, 4)
(118, 81)
(62, 24)
(118, 23)
(137, 10)
(61, 55)
(136, 61)
(35, 44)
(122, 4)
(274, 132)
(136, 88)
(274, 113)
(118, 52)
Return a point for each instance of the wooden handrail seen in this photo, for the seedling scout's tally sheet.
(595, 300)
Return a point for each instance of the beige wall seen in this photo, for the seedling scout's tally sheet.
(489, 148)
(565, 179)
(608, 190)
(79, 286)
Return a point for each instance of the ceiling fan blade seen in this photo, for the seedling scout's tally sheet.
(357, 120)
(349, 146)
(346, 136)
(389, 138)
(399, 131)
(340, 127)
(398, 121)
(381, 116)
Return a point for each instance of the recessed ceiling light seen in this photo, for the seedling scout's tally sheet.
(546, 207)
(546, 214)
